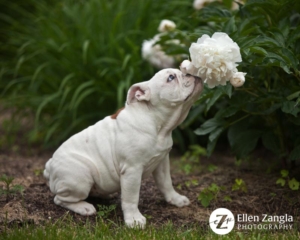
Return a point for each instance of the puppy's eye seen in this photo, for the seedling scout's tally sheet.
(171, 78)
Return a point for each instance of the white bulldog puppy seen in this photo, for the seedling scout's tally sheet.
(119, 151)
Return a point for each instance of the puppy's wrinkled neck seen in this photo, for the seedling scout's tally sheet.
(157, 119)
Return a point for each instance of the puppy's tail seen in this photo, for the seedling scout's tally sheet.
(47, 169)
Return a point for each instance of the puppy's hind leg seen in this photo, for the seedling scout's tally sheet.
(75, 204)
(70, 193)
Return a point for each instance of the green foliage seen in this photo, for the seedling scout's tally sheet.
(191, 157)
(72, 62)
(266, 108)
(9, 189)
(239, 185)
(227, 199)
(212, 168)
(104, 211)
(292, 183)
(207, 195)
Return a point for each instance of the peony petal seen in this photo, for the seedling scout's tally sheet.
(203, 38)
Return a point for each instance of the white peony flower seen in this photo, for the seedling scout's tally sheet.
(198, 4)
(238, 79)
(154, 54)
(214, 58)
(166, 26)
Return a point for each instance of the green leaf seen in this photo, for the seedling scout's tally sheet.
(212, 168)
(265, 41)
(278, 37)
(216, 95)
(41, 106)
(293, 95)
(245, 142)
(235, 130)
(271, 142)
(211, 146)
(83, 95)
(38, 70)
(79, 89)
(274, 57)
(215, 134)
(284, 173)
(239, 185)
(271, 109)
(227, 112)
(230, 25)
(294, 184)
(214, 187)
(227, 89)
(65, 80)
(290, 107)
(85, 47)
(125, 61)
(205, 197)
(209, 126)
(205, 202)
(19, 64)
(51, 131)
(261, 51)
(290, 57)
(198, 150)
(280, 181)
(258, 3)
(17, 189)
(239, 181)
(285, 68)
(227, 199)
(295, 153)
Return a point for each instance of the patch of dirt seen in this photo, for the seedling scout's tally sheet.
(36, 206)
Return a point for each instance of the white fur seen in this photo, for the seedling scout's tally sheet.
(116, 154)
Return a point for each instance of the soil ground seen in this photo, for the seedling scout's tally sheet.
(36, 205)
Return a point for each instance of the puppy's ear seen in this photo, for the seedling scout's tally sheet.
(138, 92)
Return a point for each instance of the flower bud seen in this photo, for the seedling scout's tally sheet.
(187, 67)
(238, 79)
(184, 66)
(166, 26)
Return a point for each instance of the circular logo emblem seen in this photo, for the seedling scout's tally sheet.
(221, 221)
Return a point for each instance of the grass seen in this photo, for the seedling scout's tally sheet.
(66, 228)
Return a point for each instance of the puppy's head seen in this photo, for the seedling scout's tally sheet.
(169, 88)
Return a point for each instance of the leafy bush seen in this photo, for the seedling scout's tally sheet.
(266, 108)
(72, 62)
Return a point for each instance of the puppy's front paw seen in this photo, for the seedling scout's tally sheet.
(178, 200)
(135, 220)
